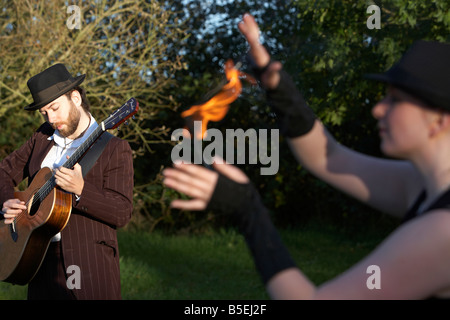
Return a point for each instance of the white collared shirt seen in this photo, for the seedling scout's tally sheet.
(64, 147)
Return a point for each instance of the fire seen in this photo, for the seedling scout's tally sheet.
(217, 107)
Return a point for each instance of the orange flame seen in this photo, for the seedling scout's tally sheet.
(217, 107)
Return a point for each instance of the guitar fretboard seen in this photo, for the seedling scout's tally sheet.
(74, 158)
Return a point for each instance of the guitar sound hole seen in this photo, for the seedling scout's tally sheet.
(34, 207)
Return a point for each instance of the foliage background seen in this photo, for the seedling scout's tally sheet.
(168, 54)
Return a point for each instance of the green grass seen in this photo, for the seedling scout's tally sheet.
(218, 265)
(187, 267)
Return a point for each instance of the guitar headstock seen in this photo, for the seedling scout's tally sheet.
(125, 112)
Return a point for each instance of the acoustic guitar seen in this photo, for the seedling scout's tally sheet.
(24, 243)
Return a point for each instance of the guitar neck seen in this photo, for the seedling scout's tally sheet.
(74, 159)
(83, 148)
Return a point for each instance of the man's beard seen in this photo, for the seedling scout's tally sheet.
(72, 121)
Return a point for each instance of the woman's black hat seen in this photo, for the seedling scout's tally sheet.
(423, 71)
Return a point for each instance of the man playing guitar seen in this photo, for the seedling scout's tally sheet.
(101, 201)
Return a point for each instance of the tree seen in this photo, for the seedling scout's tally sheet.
(327, 47)
(122, 47)
(169, 54)
(330, 53)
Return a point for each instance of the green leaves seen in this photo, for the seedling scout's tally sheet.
(169, 54)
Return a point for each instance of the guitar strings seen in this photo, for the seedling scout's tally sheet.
(48, 186)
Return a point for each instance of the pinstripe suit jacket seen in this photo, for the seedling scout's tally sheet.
(89, 240)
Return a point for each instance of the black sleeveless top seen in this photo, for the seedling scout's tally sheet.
(442, 201)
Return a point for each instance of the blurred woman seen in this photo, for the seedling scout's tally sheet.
(413, 184)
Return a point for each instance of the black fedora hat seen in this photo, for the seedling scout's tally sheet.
(50, 84)
(423, 71)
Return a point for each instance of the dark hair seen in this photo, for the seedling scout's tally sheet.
(84, 101)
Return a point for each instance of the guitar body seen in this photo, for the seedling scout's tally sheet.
(23, 244)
